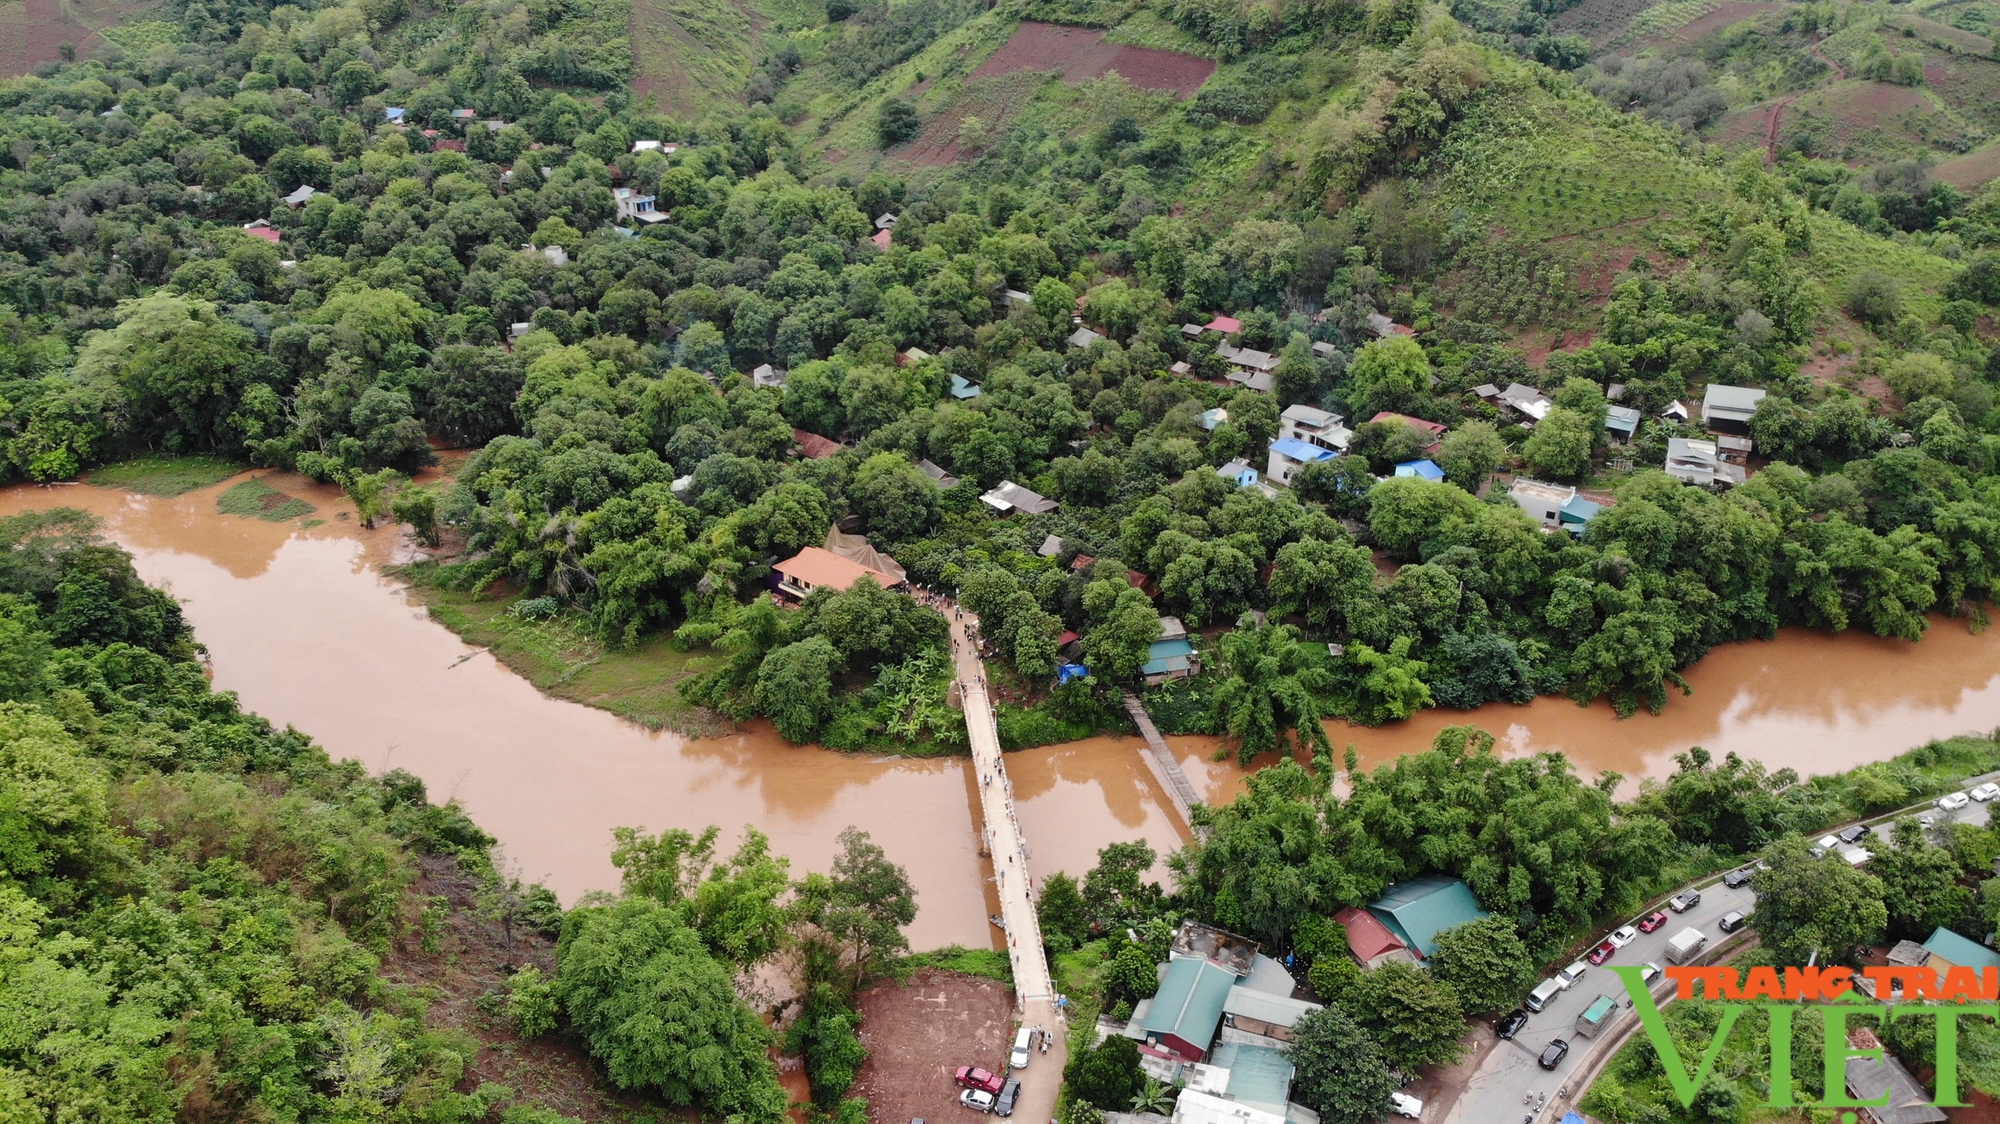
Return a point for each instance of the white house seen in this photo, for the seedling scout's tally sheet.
(1543, 501)
(1289, 454)
(1526, 400)
(1315, 427)
(636, 207)
(1698, 462)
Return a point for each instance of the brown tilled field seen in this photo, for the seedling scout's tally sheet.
(918, 1033)
(1726, 13)
(33, 31)
(1080, 53)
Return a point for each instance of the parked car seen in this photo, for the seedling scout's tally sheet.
(1824, 844)
(1652, 921)
(978, 1100)
(1985, 792)
(1570, 975)
(1512, 1024)
(1403, 1104)
(1649, 973)
(1554, 1053)
(1544, 993)
(1003, 1105)
(1684, 901)
(972, 1077)
(1953, 801)
(1602, 952)
(1024, 1047)
(1735, 878)
(1853, 833)
(1730, 922)
(1623, 935)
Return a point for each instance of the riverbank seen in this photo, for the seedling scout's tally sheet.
(563, 660)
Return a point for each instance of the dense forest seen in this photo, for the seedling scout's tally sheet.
(204, 917)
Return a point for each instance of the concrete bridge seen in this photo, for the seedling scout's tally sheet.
(1034, 991)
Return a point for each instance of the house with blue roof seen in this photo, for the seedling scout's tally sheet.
(1418, 910)
(1289, 454)
(1210, 419)
(1171, 656)
(1576, 514)
(393, 114)
(1423, 470)
(1949, 950)
(961, 389)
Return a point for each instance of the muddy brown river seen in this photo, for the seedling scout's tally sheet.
(300, 622)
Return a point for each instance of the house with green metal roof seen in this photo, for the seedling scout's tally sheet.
(1418, 910)
(1184, 1014)
(1949, 950)
(1259, 1076)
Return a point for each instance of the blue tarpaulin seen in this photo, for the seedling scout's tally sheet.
(1070, 671)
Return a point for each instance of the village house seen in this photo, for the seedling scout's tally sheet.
(635, 207)
(1301, 422)
(1698, 462)
(816, 567)
(1555, 506)
(1622, 423)
(1289, 454)
(1008, 497)
(1727, 409)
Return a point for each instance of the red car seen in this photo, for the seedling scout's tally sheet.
(1602, 952)
(973, 1077)
(1652, 921)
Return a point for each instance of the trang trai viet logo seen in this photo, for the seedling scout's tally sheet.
(1780, 992)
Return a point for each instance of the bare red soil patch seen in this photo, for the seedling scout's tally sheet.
(918, 1033)
(1080, 53)
(1969, 171)
(992, 100)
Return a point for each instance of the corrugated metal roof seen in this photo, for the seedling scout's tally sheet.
(1302, 451)
(1960, 952)
(1259, 1076)
(1418, 910)
(1278, 1010)
(1189, 1002)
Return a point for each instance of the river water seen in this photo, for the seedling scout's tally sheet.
(300, 622)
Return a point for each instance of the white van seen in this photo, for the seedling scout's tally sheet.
(1024, 1046)
(1544, 994)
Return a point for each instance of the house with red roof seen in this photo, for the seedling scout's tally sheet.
(1371, 942)
(815, 567)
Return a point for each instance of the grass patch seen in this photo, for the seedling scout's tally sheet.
(254, 499)
(164, 476)
(983, 962)
(561, 658)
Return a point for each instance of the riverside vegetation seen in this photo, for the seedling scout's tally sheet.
(202, 915)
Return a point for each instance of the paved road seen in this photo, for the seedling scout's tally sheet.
(1495, 1092)
(1034, 993)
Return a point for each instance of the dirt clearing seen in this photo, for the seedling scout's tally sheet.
(33, 31)
(1080, 53)
(918, 1033)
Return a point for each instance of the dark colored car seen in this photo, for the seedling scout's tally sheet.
(1512, 1024)
(1009, 1093)
(1730, 922)
(1736, 878)
(1602, 952)
(1684, 901)
(973, 1077)
(1852, 834)
(1554, 1053)
(1652, 921)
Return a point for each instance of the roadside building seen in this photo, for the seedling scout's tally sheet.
(1947, 949)
(1370, 941)
(1418, 910)
(1880, 1077)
